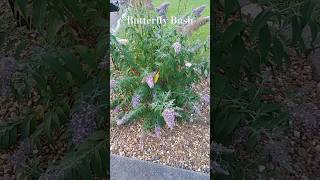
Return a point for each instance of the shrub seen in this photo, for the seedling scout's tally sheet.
(71, 79)
(158, 66)
(242, 49)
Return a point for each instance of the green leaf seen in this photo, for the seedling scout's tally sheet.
(314, 27)
(260, 21)
(104, 160)
(39, 13)
(73, 65)
(22, 5)
(230, 6)
(97, 164)
(5, 140)
(278, 50)
(2, 38)
(267, 108)
(26, 128)
(264, 41)
(54, 64)
(56, 23)
(306, 12)
(88, 57)
(73, 6)
(19, 49)
(253, 140)
(13, 135)
(232, 31)
(84, 170)
(296, 29)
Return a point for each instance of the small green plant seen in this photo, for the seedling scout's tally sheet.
(157, 66)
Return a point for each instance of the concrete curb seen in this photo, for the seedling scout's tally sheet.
(123, 168)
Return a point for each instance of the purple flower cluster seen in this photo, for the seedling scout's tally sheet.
(177, 47)
(83, 123)
(157, 131)
(169, 116)
(149, 4)
(205, 98)
(8, 67)
(136, 99)
(113, 84)
(117, 109)
(162, 10)
(198, 11)
(149, 79)
(20, 156)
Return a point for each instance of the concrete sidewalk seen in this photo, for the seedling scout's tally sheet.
(123, 168)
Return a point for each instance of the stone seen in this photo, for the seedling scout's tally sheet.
(251, 11)
(317, 148)
(307, 37)
(296, 134)
(314, 59)
(261, 168)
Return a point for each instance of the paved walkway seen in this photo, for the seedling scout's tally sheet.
(123, 168)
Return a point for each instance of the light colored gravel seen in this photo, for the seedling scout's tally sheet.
(186, 146)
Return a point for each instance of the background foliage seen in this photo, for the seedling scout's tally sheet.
(66, 74)
(241, 50)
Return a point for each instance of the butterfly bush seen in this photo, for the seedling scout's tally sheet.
(157, 131)
(20, 156)
(162, 10)
(8, 66)
(135, 101)
(83, 123)
(113, 84)
(157, 96)
(149, 79)
(149, 4)
(198, 11)
(177, 47)
(169, 116)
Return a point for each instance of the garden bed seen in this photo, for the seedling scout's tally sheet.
(186, 146)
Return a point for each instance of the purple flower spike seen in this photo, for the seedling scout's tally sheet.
(169, 116)
(149, 79)
(135, 101)
(162, 10)
(206, 98)
(157, 131)
(20, 156)
(198, 11)
(149, 4)
(117, 109)
(177, 47)
(83, 123)
(113, 84)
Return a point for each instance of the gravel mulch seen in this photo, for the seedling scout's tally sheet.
(186, 146)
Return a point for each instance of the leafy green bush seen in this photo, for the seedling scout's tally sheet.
(72, 88)
(242, 49)
(157, 67)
